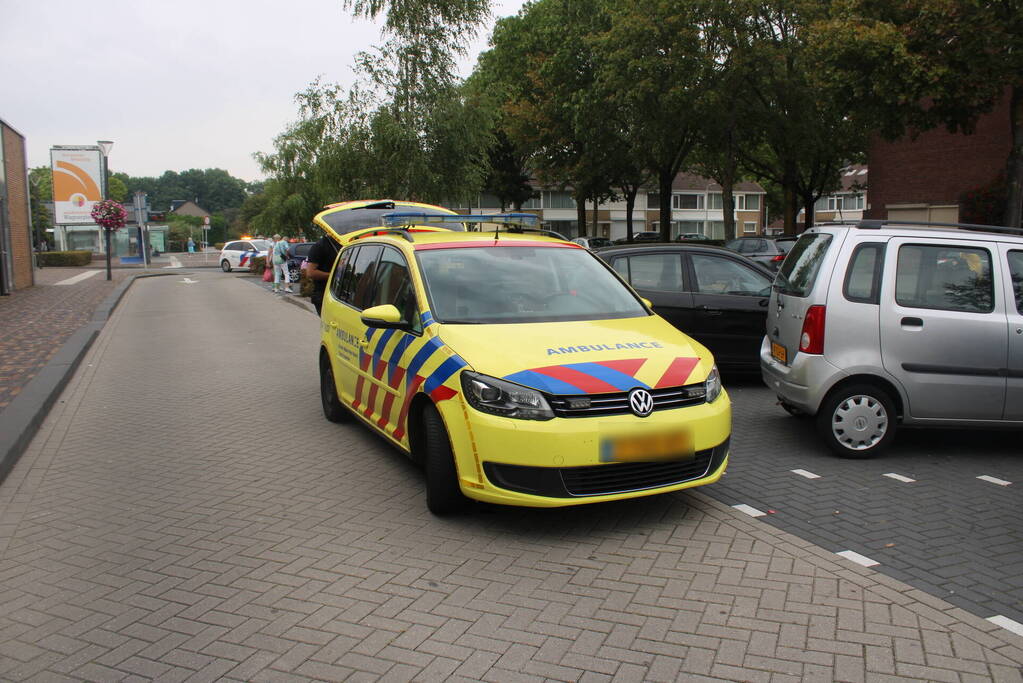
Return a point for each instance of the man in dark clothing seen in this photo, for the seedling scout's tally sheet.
(321, 259)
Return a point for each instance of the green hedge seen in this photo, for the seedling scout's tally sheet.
(64, 258)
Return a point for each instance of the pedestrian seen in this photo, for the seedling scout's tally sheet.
(279, 256)
(321, 259)
(191, 246)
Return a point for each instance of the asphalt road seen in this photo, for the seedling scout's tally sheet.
(947, 532)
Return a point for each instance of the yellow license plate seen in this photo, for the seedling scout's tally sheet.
(648, 447)
(778, 352)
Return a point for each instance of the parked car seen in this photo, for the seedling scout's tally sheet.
(692, 237)
(297, 251)
(592, 243)
(711, 293)
(521, 371)
(238, 253)
(646, 236)
(879, 324)
(763, 250)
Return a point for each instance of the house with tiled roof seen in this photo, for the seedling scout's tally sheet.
(696, 206)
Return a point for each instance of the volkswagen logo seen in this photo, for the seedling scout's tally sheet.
(641, 402)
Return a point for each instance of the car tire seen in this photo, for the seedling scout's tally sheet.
(857, 421)
(225, 266)
(333, 409)
(443, 494)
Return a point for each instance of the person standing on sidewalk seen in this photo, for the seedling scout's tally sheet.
(279, 255)
(321, 259)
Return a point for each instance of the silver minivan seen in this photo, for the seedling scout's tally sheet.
(881, 323)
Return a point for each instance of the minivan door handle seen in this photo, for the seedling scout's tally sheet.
(711, 311)
(912, 322)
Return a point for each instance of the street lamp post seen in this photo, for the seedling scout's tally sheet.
(104, 148)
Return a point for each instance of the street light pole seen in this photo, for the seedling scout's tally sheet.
(104, 148)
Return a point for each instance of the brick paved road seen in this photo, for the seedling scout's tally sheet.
(185, 513)
(35, 322)
(947, 532)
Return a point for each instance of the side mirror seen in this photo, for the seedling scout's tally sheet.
(386, 317)
(646, 302)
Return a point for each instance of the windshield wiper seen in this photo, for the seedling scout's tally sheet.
(450, 321)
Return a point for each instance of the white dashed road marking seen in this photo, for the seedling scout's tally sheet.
(899, 477)
(804, 473)
(77, 278)
(858, 559)
(994, 480)
(751, 511)
(1007, 623)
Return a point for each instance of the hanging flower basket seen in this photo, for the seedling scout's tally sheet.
(110, 214)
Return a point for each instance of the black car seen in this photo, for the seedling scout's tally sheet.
(297, 252)
(711, 293)
(763, 250)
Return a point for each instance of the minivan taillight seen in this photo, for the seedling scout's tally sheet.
(812, 338)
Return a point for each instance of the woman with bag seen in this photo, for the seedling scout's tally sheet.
(279, 252)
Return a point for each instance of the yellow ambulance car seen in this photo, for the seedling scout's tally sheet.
(517, 367)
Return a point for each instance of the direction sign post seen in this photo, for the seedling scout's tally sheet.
(206, 239)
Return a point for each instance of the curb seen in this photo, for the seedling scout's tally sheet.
(20, 421)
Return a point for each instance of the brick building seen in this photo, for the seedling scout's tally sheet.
(16, 266)
(922, 179)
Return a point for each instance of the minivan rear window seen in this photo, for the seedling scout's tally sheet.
(799, 271)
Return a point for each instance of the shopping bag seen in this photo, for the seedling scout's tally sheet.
(268, 274)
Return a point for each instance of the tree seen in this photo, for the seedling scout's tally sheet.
(800, 133)
(655, 65)
(214, 189)
(543, 70)
(40, 192)
(912, 65)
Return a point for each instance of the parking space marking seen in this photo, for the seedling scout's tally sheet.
(858, 559)
(751, 511)
(1007, 623)
(898, 477)
(77, 278)
(804, 473)
(994, 480)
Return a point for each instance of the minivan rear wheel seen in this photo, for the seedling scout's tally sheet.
(333, 410)
(857, 421)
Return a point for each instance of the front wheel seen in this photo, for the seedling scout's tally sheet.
(443, 494)
(225, 266)
(332, 408)
(857, 421)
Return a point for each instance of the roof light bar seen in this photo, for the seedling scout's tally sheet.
(402, 218)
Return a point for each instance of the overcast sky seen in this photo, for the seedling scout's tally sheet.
(175, 85)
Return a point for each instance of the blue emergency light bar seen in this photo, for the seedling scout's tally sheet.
(405, 218)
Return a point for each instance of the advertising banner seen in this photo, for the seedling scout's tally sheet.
(77, 173)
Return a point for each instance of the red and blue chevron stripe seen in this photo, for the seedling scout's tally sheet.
(600, 377)
(376, 364)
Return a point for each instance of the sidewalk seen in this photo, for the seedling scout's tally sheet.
(35, 322)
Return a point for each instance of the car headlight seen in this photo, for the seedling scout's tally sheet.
(713, 384)
(497, 397)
